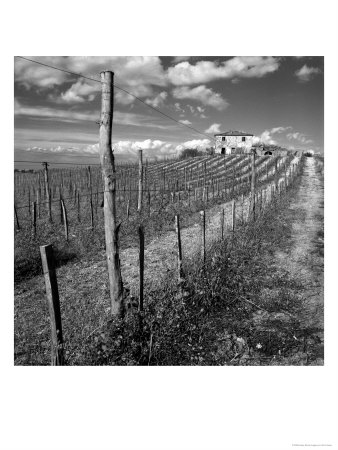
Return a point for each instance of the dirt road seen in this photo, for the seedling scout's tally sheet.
(305, 257)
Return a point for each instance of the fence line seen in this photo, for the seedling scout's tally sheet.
(264, 193)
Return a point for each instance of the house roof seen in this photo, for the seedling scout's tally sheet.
(233, 133)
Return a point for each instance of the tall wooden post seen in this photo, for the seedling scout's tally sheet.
(109, 180)
(65, 218)
(78, 206)
(90, 197)
(52, 292)
(233, 215)
(253, 186)
(128, 209)
(34, 218)
(38, 195)
(276, 174)
(16, 218)
(202, 219)
(140, 181)
(179, 249)
(141, 268)
(60, 198)
(48, 192)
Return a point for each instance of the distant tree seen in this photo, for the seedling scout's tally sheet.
(189, 153)
(210, 151)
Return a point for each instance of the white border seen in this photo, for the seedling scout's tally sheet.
(170, 408)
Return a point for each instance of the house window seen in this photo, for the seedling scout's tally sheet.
(223, 138)
(243, 139)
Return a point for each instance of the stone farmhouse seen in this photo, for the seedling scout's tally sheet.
(233, 142)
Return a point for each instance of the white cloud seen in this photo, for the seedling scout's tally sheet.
(123, 98)
(141, 90)
(185, 73)
(79, 92)
(158, 148)
(199, 144)
(30, 74)
(214, 128)
(128, 149)
(300, 137)
(65, 150)
(202, 94)
(62, 115)
(306, 73)
(280, 129)
(67, 115)
(94, 148)
(266, 136)
(186, 122)
(178, 107)
(134, 73)
(158, 100)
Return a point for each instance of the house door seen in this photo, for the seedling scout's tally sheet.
(223, 151)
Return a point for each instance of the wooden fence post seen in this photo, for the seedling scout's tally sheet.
(202, 219)
(140, 181)
(276, 174)
(233, 215)
(90, 198)
(16, 218)
(78, 206)
(38, 201)
(34, 217)
(61, 213)
(179, 249)
(48, 191)
(52, 292)
(222, 224)
(233, 182)
(65, 219)
(141, 268)
(253, 186)
(29, 201)
(109, 183)
(128, 209)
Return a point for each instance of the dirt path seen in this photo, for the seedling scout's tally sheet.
(305, 257)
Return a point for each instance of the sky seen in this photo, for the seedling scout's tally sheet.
(278, 99)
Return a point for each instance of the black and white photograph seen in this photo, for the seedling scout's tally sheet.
(161, 218)
(169, 226)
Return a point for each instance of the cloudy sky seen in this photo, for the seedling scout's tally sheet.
(278, 99)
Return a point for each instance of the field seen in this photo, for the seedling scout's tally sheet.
(243, 302)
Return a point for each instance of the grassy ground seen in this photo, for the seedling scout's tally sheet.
(240, 308)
